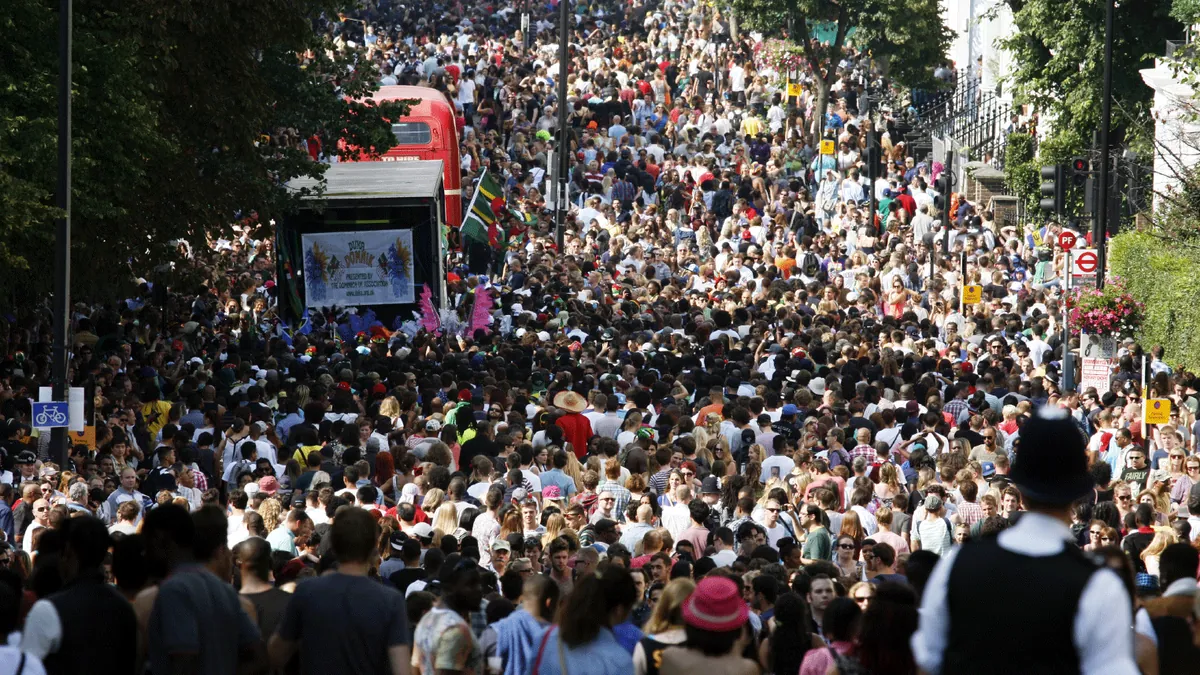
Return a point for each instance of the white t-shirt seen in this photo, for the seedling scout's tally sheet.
(774, 534)
(737, 78)
(10, 655)
(784, 463)
(466, 91)
(27, 542)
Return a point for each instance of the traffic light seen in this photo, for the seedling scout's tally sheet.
(942, 187)
(1080, 171)
(1054, 189)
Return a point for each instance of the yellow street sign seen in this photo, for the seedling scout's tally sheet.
(972, 294)
(828, 147)
(1158, 411)
(794, 89)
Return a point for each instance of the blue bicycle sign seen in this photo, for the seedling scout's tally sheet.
(50, 415)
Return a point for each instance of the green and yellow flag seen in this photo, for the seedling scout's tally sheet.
(480, 223)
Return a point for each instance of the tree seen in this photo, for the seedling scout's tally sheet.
(185, 114)
(1058, 54)
(910, 37)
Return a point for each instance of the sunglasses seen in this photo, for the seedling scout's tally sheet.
(1108, 538)
(775, 510)
(1125, 498)
(862, 599)
(845, 547)
(1094, 533)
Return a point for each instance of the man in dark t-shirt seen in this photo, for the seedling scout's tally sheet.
(254, 564)
(345, 622)
(410, 554)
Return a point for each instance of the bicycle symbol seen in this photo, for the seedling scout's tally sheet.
(51, 417)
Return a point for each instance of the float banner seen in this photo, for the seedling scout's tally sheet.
(358, 268)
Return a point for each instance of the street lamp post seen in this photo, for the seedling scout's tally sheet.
(564, 137)
(62, 230)
(1100, 233)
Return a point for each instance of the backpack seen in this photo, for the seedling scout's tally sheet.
(949, 530)
(244, 468)
(810, 266)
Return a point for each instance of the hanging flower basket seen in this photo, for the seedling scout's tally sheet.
(781, 56)
(1108, 312)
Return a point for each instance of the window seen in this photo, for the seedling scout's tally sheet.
(412, 133)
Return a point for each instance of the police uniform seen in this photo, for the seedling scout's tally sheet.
(1028, 600)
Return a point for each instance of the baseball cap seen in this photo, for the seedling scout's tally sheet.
(501, 545)
(933, 503)
(422, 530)
(790, 409)
(989, 469)
(432, 425)
(396, 541)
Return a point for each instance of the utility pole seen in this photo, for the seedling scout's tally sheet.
(1100, 233)
(564, 135)
(62, 229)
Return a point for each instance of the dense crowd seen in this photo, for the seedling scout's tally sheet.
(739, 423)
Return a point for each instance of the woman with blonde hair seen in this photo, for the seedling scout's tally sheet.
(712, 424)
(270, 511)
(664, 627)
(889, 484)
(573, 468)
(445, 519)
(302, 396)
(555, 525)
(511, 524)
(433, 499)
(390, 408)
(1163, 537)
(757, 453)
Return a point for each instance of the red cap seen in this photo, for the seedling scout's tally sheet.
(344, 386)
(464, 394)
(379, 388)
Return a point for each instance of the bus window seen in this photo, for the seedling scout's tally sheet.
(412, 133)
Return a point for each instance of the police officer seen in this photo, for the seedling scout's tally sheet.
(1029, 600)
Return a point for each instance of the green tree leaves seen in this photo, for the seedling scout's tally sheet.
(185, 113)
(1058, 53)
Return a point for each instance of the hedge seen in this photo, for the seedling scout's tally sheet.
(1162, 274)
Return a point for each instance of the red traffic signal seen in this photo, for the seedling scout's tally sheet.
(1079, 165)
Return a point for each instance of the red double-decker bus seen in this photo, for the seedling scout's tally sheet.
(428, 132)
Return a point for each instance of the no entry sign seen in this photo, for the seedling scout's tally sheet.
(1085, 263)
